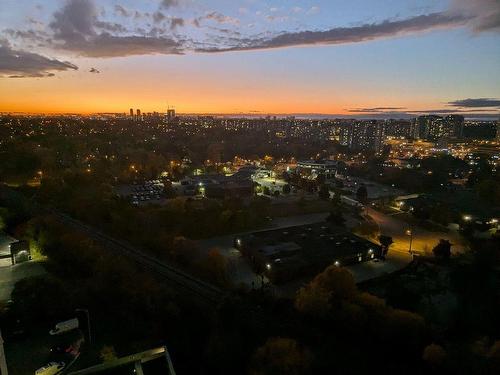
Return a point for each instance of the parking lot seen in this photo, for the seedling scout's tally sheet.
(151, 191)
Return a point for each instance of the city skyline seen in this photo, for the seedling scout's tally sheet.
(396, 59)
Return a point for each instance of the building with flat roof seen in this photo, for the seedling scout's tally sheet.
(286, 254)
(313, 168)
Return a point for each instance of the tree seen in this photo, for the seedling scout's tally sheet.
(338, 281)
(324, 192)
(434, 355)
(280, 356)
(320, 179)
(385, 241)
(367, 229)
(215, 267)
(362, 194)
(108, 354)
(442, 249)
(313, 301)
(333, 285)
(3, 215)
(336, 215)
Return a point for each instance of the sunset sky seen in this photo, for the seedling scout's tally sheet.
(356, 57)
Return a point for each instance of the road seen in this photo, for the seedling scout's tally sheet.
(423, 240)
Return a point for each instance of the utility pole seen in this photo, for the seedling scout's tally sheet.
(3, 361)
(86, 312)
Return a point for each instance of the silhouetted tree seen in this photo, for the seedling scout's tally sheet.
(362, 194)
(324, 192)
(280, 356)
(442, 249)
(386, 242)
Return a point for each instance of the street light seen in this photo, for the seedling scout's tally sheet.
(86, 312)
(409, 233)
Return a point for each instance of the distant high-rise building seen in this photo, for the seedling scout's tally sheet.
(170, 113)
(363, 135)
(399, 128)
(498, 132)
(131, 112)
(455, 124)
(433, 128)
(138, 113)
(424, 125)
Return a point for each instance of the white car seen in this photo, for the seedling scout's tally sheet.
(51, 368)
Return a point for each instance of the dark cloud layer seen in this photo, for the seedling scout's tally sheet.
(19, 64)
(476, 103)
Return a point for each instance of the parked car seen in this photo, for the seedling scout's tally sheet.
(65, 326)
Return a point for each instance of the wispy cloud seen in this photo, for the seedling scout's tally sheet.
(375, 109)
(343, 35)
(478, 15)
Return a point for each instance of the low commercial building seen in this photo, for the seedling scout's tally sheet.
(286, 254)
(314, 168)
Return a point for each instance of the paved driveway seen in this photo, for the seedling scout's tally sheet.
(423, 240)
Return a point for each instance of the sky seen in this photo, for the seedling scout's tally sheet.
(359, 57)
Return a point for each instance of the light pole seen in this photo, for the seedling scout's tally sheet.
(409, 232)
(86, 312)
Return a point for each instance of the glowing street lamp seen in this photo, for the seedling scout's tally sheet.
(409, 233)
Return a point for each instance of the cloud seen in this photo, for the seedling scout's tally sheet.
(313, 10)
(78, 27)
(75, 29)
(169, 3)
(122, 11)
(216, 17)
(20, 64)
(94, 70)
(343, 35)
(452, 111)
(477, 15)
(484, 14)
(176, 22)
(158, 16)
(375, 109)
(110, 26)
(476, 103)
